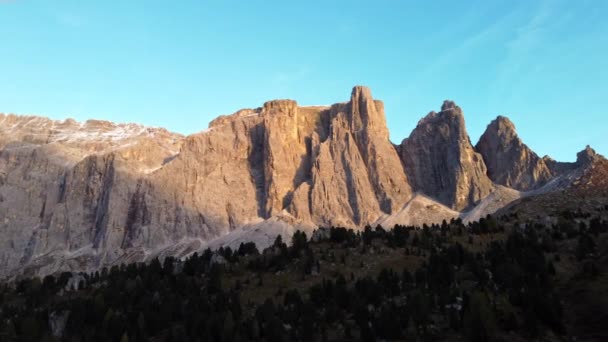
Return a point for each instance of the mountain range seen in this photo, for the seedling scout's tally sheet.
(81, 196)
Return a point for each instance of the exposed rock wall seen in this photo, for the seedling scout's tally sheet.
(441, 162)
(80, 196)
(510, 162)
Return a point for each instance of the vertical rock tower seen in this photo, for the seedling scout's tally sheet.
(441, 162)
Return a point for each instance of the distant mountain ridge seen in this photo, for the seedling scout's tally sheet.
(82, 196)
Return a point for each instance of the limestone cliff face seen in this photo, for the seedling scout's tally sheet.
(64, 187)
(213, 185)
(331, 165)
(99, 193)
(368, 123)
(341, 193)
(509, 161)
(286, 152)
(441, 162)
(80, 196)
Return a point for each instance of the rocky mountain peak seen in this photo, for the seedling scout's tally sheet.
(587, 156)
(449, 105)
(450, 115)
(95, 194)
(359, 161)
(503, 120)
(441, 162)
(509, 161)
(504, 126)
(365, 113)
(360, 91)
(593, 172)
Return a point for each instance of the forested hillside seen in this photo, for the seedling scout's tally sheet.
(491, 280)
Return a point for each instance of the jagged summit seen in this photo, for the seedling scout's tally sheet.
(588, 156)
(362, 112)
(361, 91)
(504, 127)
(440, 161)
(450, 112)
(80, 196)
(449, 105)
(504, 124)
(509, 161)
(503, 119)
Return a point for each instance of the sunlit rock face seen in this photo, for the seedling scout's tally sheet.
(441, 162)
(87, 195)
(509, 161)
(65, 188)
(81, 196)
(356, 174)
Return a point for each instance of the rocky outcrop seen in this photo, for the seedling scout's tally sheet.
(594, 172)
(331, 165)
(509, 161)
(368, 124)
(587, 157)
(580, 186)
(287, 145)
(357, 174)
(341, 192)
(441, 162)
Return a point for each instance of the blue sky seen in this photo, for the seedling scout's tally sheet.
(179, 64)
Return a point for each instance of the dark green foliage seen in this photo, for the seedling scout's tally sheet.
(299, 242)
(509, 289)
(248, 248)
(399, 236)
(342, 235)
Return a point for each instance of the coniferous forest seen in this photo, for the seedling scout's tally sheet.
(491, 280)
